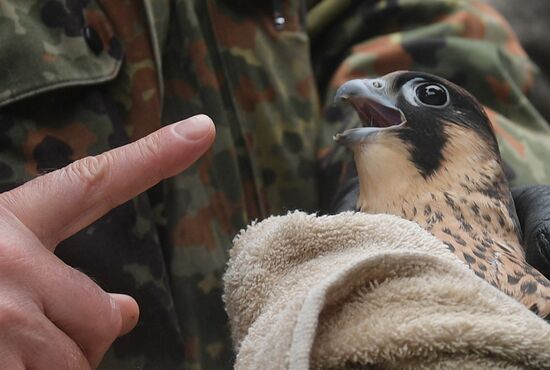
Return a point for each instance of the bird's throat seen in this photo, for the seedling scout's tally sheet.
(469, 186)
(481, 196)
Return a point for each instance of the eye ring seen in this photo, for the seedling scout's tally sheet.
(432, 94)
(377, 84)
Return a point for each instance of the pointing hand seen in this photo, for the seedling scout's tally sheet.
(51, 315)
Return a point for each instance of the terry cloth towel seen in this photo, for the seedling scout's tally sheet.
(359, 291)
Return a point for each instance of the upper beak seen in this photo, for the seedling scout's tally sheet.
(376, 110)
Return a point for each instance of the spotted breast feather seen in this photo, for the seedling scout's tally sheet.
(427, 152)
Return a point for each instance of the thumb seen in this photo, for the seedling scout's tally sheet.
(129, 312)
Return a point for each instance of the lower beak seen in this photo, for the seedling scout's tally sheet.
(355, 135)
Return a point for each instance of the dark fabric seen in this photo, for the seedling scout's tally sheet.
(533, 208)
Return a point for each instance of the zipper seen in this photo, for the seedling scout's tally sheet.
(236, 119)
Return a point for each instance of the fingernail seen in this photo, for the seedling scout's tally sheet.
(194, 128)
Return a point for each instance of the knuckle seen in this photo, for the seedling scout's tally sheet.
(89, 171)
(11, 358)
(108, 323)
(149, 149)
(13, 317)
(74, 359)
(150, 146)
(13, 259)
(113, 324)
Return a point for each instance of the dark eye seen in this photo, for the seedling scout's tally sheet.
(432, 94)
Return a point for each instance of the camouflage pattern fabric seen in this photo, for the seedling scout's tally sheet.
(80, 77)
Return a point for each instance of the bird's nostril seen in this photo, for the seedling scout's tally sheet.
(377, 84)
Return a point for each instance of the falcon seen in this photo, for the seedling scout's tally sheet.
(426, 152)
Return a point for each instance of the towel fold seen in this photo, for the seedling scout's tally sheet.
(358, 291)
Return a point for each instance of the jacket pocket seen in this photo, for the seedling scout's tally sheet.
(46, 45)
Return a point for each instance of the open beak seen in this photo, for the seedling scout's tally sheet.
(375, 109)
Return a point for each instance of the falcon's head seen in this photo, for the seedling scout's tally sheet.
(418, 130)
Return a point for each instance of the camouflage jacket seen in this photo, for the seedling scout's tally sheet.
(82, 76)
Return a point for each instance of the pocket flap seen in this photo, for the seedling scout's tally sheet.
(45, 45)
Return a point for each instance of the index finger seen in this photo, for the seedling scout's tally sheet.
(60, 203)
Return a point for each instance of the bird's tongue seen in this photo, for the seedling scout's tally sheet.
(374, 114)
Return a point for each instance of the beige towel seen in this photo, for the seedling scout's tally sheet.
(358, 291)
